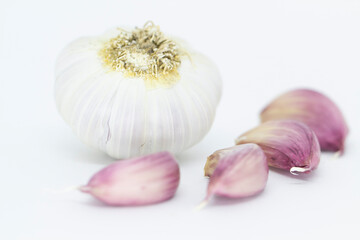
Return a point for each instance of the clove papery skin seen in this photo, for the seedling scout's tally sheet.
(241, 171)
(139, 181)
(213, 159)
(288, 144)
(315, 110)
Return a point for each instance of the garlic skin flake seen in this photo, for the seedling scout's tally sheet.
(315, 110)
(288, 144)
(213, 159)
(241, 171)
(140, 181)
(131, 93)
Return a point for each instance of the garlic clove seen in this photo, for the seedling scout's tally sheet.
(139, 181)
(315, 110)
(242, 171)
(288, 144)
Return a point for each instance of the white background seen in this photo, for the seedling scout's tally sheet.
(262, 48)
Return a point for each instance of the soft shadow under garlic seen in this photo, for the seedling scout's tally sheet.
(187, 157)
(90, 155)
(98, 204)
(68, 147)
(223, 201)
(219, 201)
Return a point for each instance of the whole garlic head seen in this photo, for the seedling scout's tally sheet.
(131, 93)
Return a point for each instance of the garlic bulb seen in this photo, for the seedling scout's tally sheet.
(131, 93)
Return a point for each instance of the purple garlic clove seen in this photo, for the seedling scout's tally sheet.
(139, 181)
(241, 171)
(315, 110)
(288, 144)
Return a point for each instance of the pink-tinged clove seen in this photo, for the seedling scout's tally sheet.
(139, 181)
(288, 144)
(241, 171)
(315, 110)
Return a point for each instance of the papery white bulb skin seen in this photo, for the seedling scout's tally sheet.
(127, 101)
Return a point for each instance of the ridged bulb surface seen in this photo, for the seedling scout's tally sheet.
(121, 115)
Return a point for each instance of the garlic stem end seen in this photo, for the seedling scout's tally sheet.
(297, 170)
